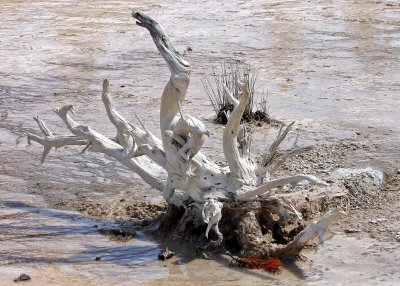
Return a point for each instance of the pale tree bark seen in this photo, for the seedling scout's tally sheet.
(175, 164)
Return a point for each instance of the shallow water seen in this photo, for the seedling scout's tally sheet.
(59, 248)
(319, 61)
(332, 66)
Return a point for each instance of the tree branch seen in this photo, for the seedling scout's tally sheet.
(269, 156)
(246, 194)
(124, 137)
(240, 169)
(130, 136)
(179, 67)
(316, 229)
(102, 144)
(274, 158)
(282, 156)
(42, 126)
(49, 140)
(229, 96)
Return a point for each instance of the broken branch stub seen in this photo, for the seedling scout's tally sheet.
(175, 164)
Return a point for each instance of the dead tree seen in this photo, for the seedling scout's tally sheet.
(208, 193)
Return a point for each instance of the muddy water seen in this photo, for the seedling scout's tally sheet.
(332, 66)
(60, 247)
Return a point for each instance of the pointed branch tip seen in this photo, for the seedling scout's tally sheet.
(106, 86)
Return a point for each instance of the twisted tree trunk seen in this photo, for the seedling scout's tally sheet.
(187, 178)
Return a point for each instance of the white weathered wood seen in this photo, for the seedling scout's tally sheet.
(241, 172)
(274, 158)
(135, 141)
(175, 164)
(229, 96)
(212, 214)
(101, 143)
(49, 140)
(245, 195)
(314, 230)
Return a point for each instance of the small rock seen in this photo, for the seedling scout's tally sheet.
(22, 277)
(119, 234)
(377, 220)
(98, 258)
(351, 230)
(397, 236)
(167, 254)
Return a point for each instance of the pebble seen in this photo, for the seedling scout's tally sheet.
(167, 254)
(378, 220)
(22, 277)
(351, 230)
(397, 237)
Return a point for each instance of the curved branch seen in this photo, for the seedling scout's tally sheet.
(46, 131)
(123, 126)
(239, 168)
(130, 136)
(174, 93)
(229, 96)
(316, 229)
(124, 138)
(179, 67)
(245, 195)
(174, 59)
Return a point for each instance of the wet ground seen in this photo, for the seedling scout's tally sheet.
(60, 247)
(331, 66)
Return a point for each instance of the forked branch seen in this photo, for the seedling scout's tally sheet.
(49, 140)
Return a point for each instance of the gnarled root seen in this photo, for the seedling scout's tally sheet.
(316, 229)
(266, 227)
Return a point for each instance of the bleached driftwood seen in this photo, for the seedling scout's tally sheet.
(175, 164)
